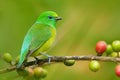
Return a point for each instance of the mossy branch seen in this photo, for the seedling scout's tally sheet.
(56, 59)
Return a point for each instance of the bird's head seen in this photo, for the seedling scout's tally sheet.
(48, 18)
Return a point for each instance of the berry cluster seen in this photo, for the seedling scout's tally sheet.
(29, 73)
(38, 73)
(112, 50)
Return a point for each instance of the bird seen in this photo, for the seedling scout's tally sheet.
(39, 37)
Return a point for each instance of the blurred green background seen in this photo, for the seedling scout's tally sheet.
(84, 23)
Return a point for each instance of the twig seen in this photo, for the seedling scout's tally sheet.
(11, 68)
(55, 59)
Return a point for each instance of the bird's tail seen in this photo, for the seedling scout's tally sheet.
(22, 58)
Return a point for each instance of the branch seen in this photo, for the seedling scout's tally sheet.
(56, 59)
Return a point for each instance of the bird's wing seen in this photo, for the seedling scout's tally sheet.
(35, 38)
(39, 36)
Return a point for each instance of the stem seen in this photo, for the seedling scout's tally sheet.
(56, 59)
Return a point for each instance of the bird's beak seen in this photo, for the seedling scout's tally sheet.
(58, 18)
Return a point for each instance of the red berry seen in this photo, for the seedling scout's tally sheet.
(117, 70)
(101, 47)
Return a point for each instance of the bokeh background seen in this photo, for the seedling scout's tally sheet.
(84, 23)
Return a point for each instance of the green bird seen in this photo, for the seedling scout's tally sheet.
(39, 37)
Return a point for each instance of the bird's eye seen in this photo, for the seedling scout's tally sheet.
(50, 17)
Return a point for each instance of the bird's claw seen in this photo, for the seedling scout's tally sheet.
(49, 57)
(36, 60)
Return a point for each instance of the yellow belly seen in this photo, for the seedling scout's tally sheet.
(46, 45)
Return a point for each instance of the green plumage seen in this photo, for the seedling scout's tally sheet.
(40, 36)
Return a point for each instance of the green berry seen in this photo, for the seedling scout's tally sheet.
(94, 66)
(109, 49)
(114, 54)
(30, 72)
(38, 72)
(116, 45)
(23, 72)
(7, 57)
(44, 73)
(69, 62)
(27, 73)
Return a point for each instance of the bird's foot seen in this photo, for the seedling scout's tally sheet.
(49, 57)
(36, 62)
